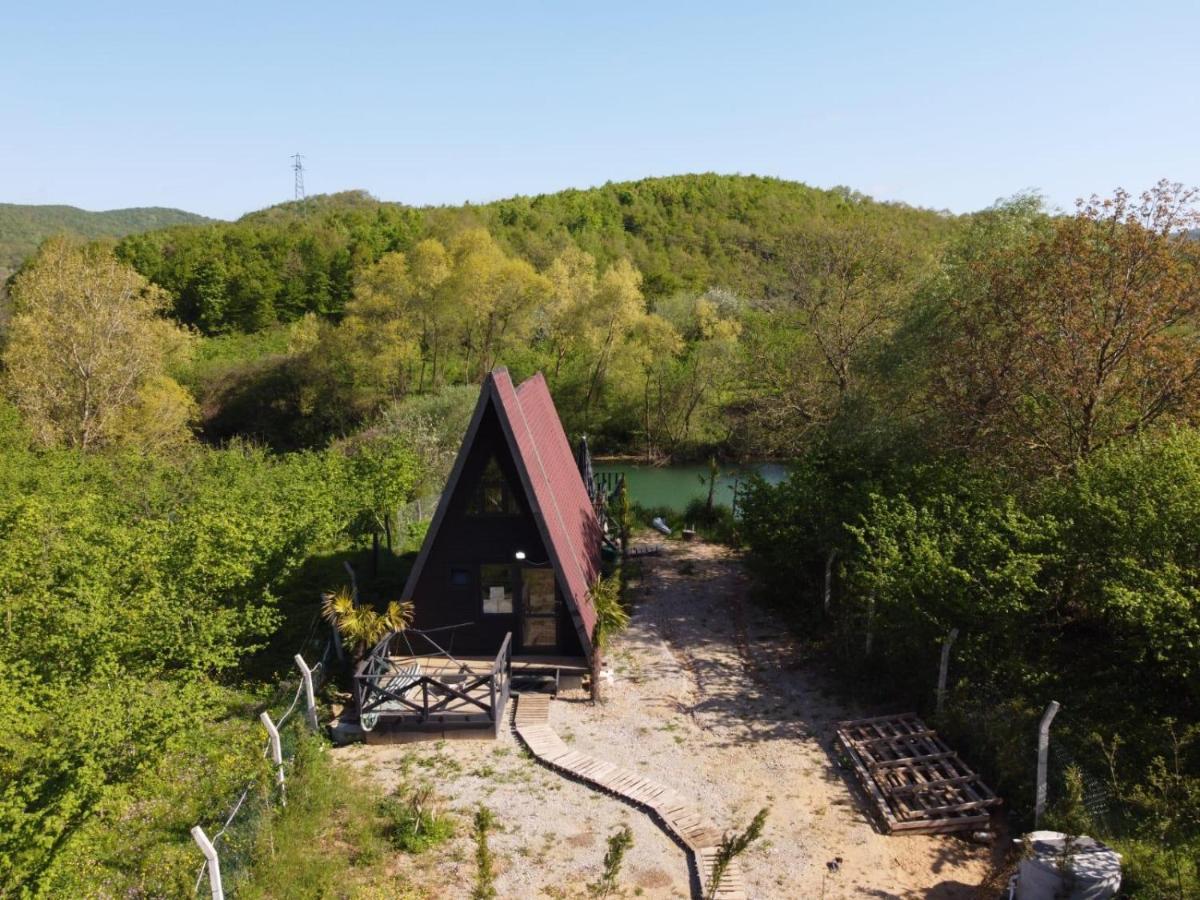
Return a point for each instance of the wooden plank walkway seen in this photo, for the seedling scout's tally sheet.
(682, 821)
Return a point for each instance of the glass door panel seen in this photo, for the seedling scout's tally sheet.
(539, 610)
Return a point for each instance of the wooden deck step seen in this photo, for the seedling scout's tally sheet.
(687, 824)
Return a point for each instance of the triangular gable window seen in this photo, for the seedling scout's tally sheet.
(493, 496)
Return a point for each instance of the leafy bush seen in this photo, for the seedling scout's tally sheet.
(716, 524)
(133, 591)
(611, 615)
(1083, 588)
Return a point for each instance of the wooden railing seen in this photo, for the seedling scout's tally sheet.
(391, 689)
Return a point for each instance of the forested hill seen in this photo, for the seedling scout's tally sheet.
(686, 232)
(693, 231)
(23, 227)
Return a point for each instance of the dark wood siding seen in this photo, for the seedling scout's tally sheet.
(466, 542)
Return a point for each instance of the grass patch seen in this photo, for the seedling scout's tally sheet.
(413, 821)
(337, 838)
(485, 877)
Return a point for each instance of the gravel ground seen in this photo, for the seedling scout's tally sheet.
(709, 697)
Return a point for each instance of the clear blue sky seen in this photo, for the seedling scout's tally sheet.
(950, 105)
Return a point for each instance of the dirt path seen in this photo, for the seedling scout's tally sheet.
(711, 698)
(744, 717)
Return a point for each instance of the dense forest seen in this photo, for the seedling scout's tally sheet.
(635, 298)
(991, 422)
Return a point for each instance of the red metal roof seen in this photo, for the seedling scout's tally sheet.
(559, 498)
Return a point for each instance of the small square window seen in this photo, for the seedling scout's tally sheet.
(460, 576)
(497, 583)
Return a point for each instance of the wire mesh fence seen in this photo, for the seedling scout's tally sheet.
(419, 510)
(1069, 776)
(286, 711)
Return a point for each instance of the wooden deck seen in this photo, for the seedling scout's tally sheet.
(432, 692)
(682, 821)
(918, 784)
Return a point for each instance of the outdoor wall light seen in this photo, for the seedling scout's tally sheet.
(520, 554)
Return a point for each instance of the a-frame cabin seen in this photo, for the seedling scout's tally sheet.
(514, 546)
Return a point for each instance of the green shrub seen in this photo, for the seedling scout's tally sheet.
(716, 524)
(619, 843)
(413, 821)
(611, 614)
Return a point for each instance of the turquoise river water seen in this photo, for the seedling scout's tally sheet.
(675, 486)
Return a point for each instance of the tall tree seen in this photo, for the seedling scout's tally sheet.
(429, 267)
(1088, 329)
(844, 288)
(87, 345)
(495, 296)
(572, 277)
(617, 307)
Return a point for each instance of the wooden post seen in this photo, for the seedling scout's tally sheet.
(1039, 805)
(276, 754)
(941, 688)
(310, 701)
(214, 864)
(492, 697)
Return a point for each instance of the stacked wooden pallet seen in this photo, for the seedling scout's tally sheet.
(682, 820)
(918, 784)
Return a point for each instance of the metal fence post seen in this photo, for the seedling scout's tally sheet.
(944, 668)
(214, 865)
(276, 754)
(1039, 805)
(310, 700)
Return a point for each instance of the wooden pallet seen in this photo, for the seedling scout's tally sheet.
(684, 822)
(918, 784)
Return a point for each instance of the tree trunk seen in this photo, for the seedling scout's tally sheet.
(829, 578)
(870, 623)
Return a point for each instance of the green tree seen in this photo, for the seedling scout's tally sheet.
(87, 351)
(495, 297)
(1076, 333)
(616, 308)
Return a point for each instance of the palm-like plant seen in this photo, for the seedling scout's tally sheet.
(360, 626)
(611, 615)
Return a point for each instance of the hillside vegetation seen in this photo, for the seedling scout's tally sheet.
(23, 227)
(631, 297)
(992, 424)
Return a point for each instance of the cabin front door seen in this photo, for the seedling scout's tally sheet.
(539, 611)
